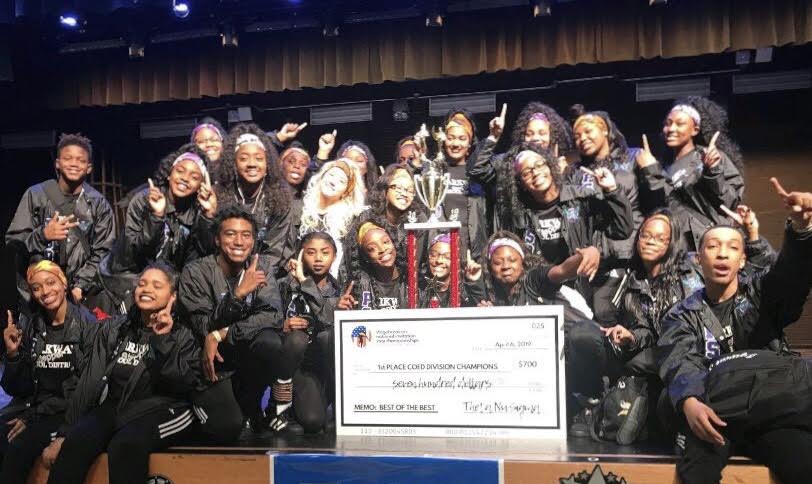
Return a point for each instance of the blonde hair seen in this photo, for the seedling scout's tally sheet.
(339, 215)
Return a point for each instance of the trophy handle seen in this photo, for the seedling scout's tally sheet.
(418, 188)
(446, 183)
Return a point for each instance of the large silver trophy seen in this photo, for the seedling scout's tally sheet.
(431, 186)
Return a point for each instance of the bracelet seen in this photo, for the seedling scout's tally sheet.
(217, 336)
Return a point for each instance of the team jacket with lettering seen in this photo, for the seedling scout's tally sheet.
(172, 363)
(20, 374)
(321, 306)
(767, 301)
(96, 226)
(694, 192)
(208, 301)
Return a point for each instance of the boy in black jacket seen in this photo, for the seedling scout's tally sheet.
(734, 312)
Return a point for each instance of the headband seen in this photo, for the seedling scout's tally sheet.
(459, 120)
(539, 117)
(210, 126)
(46, 266)
(517, 162)
(440, 238)
(248, 139)
(408, 142)
(660, 217)
(505, 242)
(690, 111)
(293, 149)
(591, 118)
(355, 148)
(366, 228)
(343, 164)
(193, 158)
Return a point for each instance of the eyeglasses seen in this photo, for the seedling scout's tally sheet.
(537, 169)
(205, 141)
(654, 239)
(401, 189)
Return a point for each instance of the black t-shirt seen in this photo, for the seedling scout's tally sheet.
(66, 205)
(136, 346)
(456, 201)
(549, 240)
(388, 294)
(723, 312)
(55, 364)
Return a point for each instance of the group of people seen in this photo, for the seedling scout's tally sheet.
(235, 255)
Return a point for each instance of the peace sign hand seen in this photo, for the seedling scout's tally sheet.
(473, 270)
(58, 227)
(712, 156)
(297, 268)
(799, 203)
(289, 131)
(644, 158)
(746, 218)
(206, 197)
(12, 337)
(162, 320)
(497, 124)
(156, 199)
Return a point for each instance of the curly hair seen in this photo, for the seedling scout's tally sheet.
(618, 148)
(372, 164)
(235, 211)
(511, 196)
(528, 262)
(278, 200)
(71, 139)
(161, 175)
(376, 198)
(298, 189)
(714, 118)
(560, 129)
(339, 215)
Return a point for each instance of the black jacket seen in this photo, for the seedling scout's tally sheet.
(173, 363)
(86, 245)
(694, 192)
(20, 377)
(766, 302)
(205, 296)
(321, 304)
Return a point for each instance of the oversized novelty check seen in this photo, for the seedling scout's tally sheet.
(462, 372)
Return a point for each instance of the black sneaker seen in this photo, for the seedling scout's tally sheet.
(580, 423)
(285, 422)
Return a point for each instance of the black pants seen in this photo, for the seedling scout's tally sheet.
(603, 289)
(314, 383)
(589, 359)
(128, 448)
(786, 452)
(218, 412)
(27, 446)
(269, 355)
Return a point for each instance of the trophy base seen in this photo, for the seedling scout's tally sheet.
(433, 225)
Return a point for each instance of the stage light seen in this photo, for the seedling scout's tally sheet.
(136, 50)
(229, 36)
(434, 19)
(657, 2)
(542, 8)
(180, 8)
(331, 28)
(69, 20)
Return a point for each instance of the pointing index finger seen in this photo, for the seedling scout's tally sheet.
(504, 111)
(348, 291)
(9, 317)
(645, 144)
(730, 213)
(712, 144)
(778, 188)
(151, 184)
(589, 172)
(335, 133)
(207, 179)
(301, 127)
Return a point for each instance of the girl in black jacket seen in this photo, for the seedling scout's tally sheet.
(44, 356)
(131, 399)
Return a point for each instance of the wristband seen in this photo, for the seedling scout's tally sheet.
(217, 336)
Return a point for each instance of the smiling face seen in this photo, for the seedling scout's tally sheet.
(235, 240)
(440, 260)
(153, 290)
(333, 183)
(317, 256)
(252, 163)
(679, 129)
(209, 142)
(457, 144)
(185, 178)
(73, 163)
(535, 174)
(721, 254)
(400, 192)
(379, 249)
(655, 237)
(47, 290)
(537, 132)
(506, 266)
(294, 167)
(408, 154)
(359, 160)
(590, 138)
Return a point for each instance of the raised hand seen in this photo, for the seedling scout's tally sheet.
(590, 260)
(497, 124)
(206, 197)
(618, 335)
(156, 199)
(297, 267)
(327, 142)
(58, 227)
(162, 320)
(78, 295)
(604, 178)
(712, 156)
(746, 219)
(644, 157)
(347, 301)
(288, 131)
(473, 270)
(563, 164)
(799, 204)
(253, 278)
(12, 337)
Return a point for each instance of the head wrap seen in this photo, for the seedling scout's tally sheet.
(459, 120)
(366, 228)
(203, 126)
(440, 238)
(517, 162)
(505, 242)
(593, 119)
(345, 165)
(690, 111)
(355, 148)
(248, 139)
(539, 117)
(193, 158)
(45, 266)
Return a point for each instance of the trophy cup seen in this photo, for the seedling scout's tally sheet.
(431, 187)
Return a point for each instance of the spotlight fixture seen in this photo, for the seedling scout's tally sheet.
(657, 2)
(229, 36)
(180, 8)
(69, 20)
(136, 50)
(542, 8)
(434, 19)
